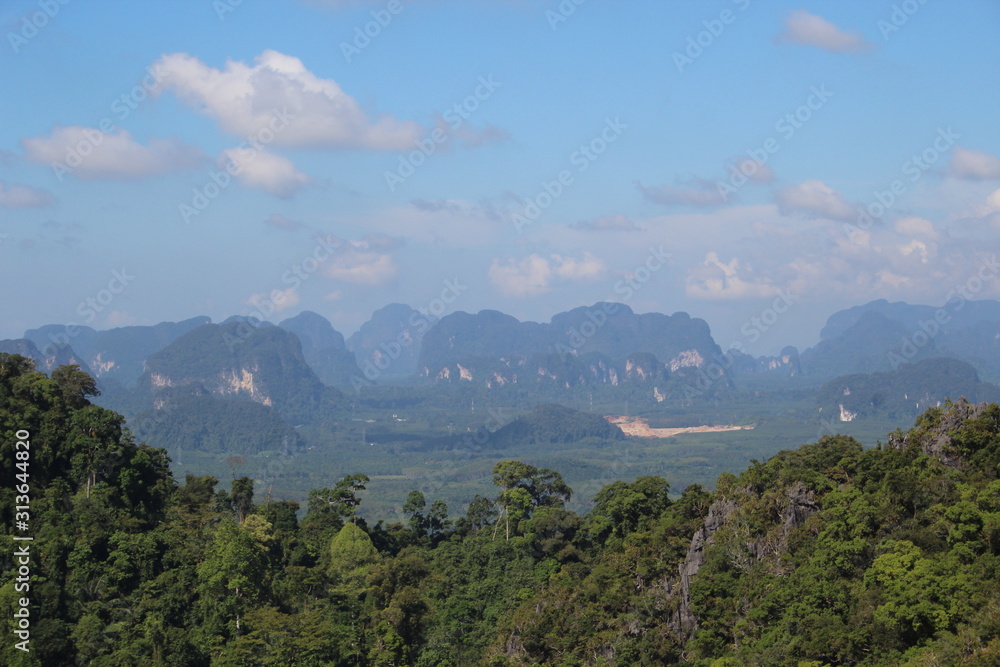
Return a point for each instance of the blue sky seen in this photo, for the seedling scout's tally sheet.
(640, 109)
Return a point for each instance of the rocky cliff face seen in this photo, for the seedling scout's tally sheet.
(553, 370)
(903, 393)
(935, 439)
(46, 360)
(605, 344)
(798, 504)
(323, 348)
(388, 345)
(685, 622)
(240, 362)
(117, 354)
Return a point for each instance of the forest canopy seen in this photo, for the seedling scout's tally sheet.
(828, 554)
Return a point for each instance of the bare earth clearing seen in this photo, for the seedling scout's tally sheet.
(638, 427)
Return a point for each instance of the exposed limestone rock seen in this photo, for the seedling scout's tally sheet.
(685, 622)
(800, 506)
(936, 442)
(687, 358)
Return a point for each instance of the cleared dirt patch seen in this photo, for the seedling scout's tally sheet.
(638, 427)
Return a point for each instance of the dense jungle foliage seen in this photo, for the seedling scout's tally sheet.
(829, 554)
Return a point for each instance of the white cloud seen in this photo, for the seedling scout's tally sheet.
(363, 268)
(246, 100)
(715, 279)
(276, 301)
(527, 277)
(587, 267)
(801, 27)
(814, 197)
(534, 274)
(916, 248)
(443, 223)
(702, 194)
(266, 171)
(974, 165)
(914, 226)
(607, 223)
(364, 262)
(279, 221)
(90, 154)
(119, 318)
(14, 195)
(756, 172)
(988, 212)
(993, 201)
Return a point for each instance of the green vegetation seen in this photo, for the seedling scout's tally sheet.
(905, 392)
(828, 554)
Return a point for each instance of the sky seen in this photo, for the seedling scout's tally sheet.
(759, 165)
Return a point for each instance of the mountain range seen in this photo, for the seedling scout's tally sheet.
(879, 358)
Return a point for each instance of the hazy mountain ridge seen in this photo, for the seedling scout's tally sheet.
(880, 336)
(113, 354)
(46, 360)
(241, 362)
(905, 392)
(650, 358)
(323, 348)
(545, 425)
(388, 345)
(586, 344)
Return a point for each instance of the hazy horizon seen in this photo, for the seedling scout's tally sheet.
(219, 157)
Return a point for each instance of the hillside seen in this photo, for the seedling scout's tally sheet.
(544, 426)
(243, 362)
(879, 336)
(323, 348)
(830, 553)
(492, 343)
(116, 354)
(388, 344)
(905, 392)
(47, 360)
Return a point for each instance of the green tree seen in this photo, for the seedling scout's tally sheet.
(233, 578)
(241, 497)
